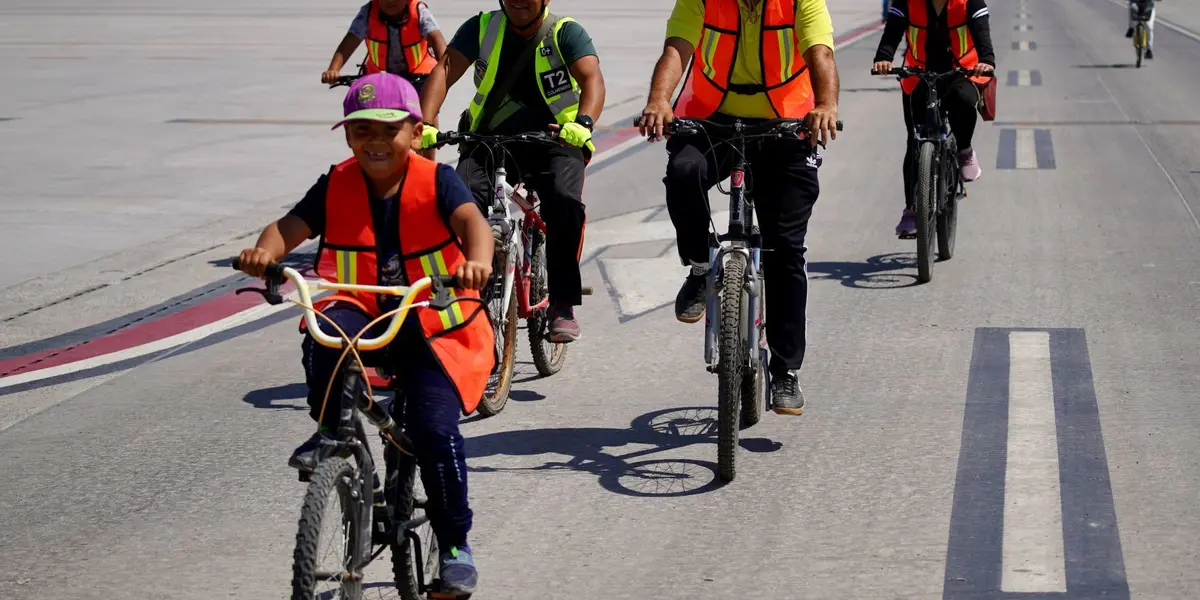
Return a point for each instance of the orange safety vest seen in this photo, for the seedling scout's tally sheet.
(420, 62)
(962, 45)
(461, 336)
(784, 72)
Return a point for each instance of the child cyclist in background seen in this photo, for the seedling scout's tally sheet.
(402, 38)
(387, 216)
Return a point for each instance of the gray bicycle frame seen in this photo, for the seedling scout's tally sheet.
(744, 238)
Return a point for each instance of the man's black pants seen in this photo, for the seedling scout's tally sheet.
(782, 181)
(556, 174)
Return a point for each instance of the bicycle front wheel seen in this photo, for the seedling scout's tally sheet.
(730, 364)
(495, 395)
(1139, 43)
(331, 542)
(926, 198)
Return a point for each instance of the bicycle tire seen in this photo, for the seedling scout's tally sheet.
(332, 474)
(405, 508)
(926, 188)
(1139, 43)
(730, 363)
(947, 216)
(754, 392)
(548, 356)
(496, 397)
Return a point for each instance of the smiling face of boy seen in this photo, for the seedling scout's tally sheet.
(381, 148)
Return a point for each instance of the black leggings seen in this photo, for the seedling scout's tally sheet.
(959, 99)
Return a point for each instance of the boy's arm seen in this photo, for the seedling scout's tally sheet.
(476, 235)
(343, 53)
(275, 242)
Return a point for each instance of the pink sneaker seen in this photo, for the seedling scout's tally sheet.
(968, 164)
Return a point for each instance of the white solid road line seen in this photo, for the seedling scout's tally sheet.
(1033, 536)
(1024, 79)
(1026, 150)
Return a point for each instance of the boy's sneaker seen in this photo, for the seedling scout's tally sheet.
(304, 457)
(786, 396)
(1129, 32)
(458, 574)
(907, 227)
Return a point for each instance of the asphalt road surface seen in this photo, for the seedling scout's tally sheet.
(1024, 426)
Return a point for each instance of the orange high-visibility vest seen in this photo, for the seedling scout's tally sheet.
(415, 48)
(784, 72)
(962, 45)
(461, 336)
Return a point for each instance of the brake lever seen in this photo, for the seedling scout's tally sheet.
(441, 299)
(270, 294)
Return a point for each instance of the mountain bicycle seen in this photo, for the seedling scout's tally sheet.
(364, 534)
(939, 184)
(519, 289)
(735, 340)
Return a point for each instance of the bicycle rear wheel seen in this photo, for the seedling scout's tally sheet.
(927, 185)
(548, 356)
(947, 216)
(730, 364)
(495, 395)
(414, 561)
(319, 535)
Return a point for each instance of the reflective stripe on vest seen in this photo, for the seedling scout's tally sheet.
(414, 45)
(461, 337)
(784, 72)
(962, 45)
(558, 87)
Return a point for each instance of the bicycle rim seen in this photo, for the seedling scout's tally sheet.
(548, 356)
(408, 507)
(754, 392)
(947, 217)
(499, 385)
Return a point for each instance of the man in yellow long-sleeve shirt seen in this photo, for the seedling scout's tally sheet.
(740, 72)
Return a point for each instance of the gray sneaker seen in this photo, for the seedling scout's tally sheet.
(786, 396)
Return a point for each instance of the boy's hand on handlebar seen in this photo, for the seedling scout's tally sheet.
(254, 261)
(983, 69)
(473, 275)
(821, 124)
(882, 67)
(330, 76)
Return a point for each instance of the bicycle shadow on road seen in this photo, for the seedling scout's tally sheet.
(880, 272)
(268, 397)
(663, 430)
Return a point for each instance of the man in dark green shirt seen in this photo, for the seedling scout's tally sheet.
(559, 86)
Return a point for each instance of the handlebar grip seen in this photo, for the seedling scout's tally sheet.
(273, 272)
(446, 281)
(839, 125)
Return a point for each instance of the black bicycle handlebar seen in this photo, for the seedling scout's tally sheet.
(902, 72)
(274, 275)
(689, 126)
(344, 80)
(451, 138)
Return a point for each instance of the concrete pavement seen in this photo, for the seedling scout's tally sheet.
(168, 479)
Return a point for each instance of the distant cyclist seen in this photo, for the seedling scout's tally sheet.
(751, 60)
(1136, 9)
(941, 35)
(402, 38)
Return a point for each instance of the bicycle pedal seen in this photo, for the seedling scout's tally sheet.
(907, 236)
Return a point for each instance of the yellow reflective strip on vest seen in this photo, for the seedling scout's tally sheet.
(454, 313)
(710, 50)
(430, 268)
(416, 57)
(962, 41)
(339, 258)
(352, 267)
(785, 54)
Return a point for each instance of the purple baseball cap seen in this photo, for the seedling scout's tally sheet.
(381, 97)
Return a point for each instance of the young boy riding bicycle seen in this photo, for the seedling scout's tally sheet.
(389, 217)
